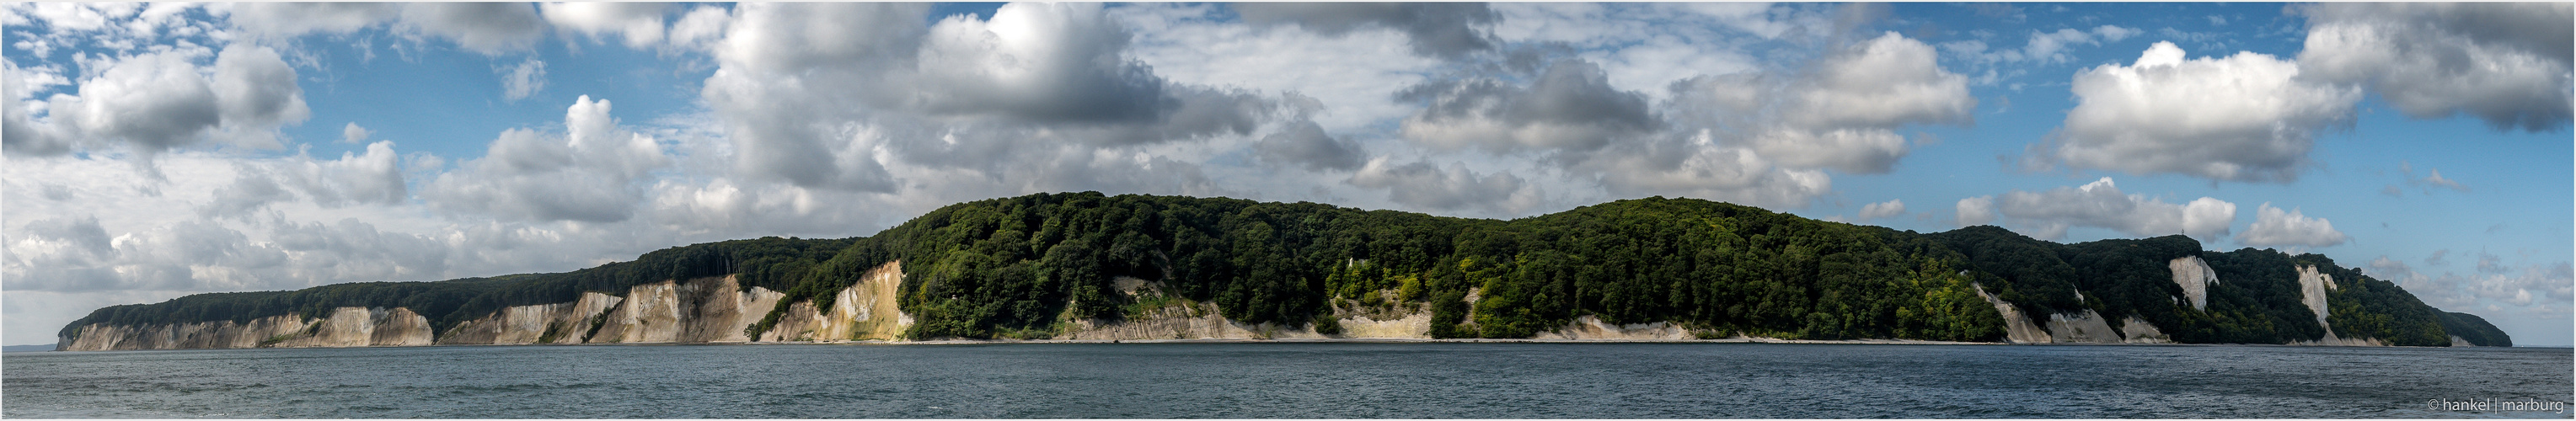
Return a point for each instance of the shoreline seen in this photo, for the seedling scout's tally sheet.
(1735, 340)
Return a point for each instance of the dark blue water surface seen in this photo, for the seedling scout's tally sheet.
(1292, 380)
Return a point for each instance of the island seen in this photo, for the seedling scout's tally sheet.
(1091, 267)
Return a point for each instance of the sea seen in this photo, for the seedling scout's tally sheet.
(1294, 380)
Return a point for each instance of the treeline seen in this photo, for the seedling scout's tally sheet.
(1022, 267)
(1019, 267)
(2256, 300)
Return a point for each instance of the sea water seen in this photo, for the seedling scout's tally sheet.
(1293, 380)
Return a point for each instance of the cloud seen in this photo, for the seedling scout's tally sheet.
(2100, 204)
(2504, 63)
(1841, 116)
(2531, 286)
(1421, 184)
(1358, 73)
(372, 178)
(1434, 29)
(819, 102)
(1036, 63)
(278, 21)
(521, 80)
(1699, 168)
(152, 102)
(2546, 287)
(255, 88)
(249, 192)
(1750, 137)
(19, 132)
(2043, 47)
(699, 28)
(488, 28)
(354, 250)
(791, 78)
(593, 172)
(1887, 209)
(2435, 180)
(2273, 227)
(1304, 144)
(640, 24)
(1976, 211)
(354, 134)
(1570, 106)
(155, 101)
(2489, 263)
(2429, 183)
(2246, 117)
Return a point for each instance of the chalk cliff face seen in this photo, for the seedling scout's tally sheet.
(699, 310)
(343, 327)
(864, 311)
(2085, 327)
(2313, 287)
(2195, 277)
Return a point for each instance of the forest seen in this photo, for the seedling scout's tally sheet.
(1022, 267)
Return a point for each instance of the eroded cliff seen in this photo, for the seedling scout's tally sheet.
(341, 327)
(698, 310)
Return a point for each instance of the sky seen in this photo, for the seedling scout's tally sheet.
(159, 150)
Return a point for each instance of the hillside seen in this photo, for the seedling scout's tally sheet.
(1084, 265)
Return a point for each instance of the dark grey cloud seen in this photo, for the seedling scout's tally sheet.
(821, 103)
(154, 101)
(19, 134)
(157, 101)
(254, 87)
(2505, 63)
(1304, 144)
(1446, 30)
(485, 27)
(1569, 106)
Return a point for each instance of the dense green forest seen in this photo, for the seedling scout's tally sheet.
(1022, 267)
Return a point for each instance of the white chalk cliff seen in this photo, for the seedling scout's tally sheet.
(718, 309)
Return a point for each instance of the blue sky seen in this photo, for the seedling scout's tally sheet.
(160, 150)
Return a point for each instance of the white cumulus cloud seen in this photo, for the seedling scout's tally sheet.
(2246, 117)
(521, 80)
(2274, 227)
(593, 172)
(2101, 204)
(1887, 209)
(640, 24)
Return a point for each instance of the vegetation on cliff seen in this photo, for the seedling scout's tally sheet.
(1021, 267)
